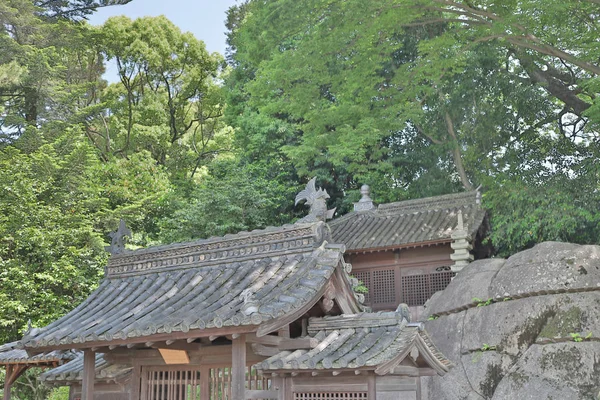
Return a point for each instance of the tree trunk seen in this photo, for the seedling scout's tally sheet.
(456, 153)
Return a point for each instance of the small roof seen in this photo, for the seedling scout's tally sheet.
(377, 341)
(73, 371)
(404, 223)
(249, 279)
(10, 354)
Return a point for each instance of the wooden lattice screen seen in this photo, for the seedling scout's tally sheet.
(184, 383)
(386, 291)
(159, 383)
(331, 396)
(365, 278)
(416, 289)
(220, 382)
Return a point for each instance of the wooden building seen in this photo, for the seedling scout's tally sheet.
(16, 361)
(404, 252)
(268, 314)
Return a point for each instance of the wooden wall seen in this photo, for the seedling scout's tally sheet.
(386, 273)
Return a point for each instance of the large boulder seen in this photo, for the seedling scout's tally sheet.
(523, 328)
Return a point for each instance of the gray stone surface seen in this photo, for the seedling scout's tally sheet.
(549, 266)
(472, 282)
(565, 371)
(530, 343)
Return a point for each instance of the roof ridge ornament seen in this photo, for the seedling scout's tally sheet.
(366, 202)
(317, 200)
(117, 245)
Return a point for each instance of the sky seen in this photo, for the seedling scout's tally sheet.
(204, 18)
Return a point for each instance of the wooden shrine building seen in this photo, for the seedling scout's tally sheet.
(267, 314)
(16, 361)
(406, 251)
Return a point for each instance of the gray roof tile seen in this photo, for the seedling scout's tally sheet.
(408, 222)
(73, 370)
(377, 340)
(11, 354)
(243, 279)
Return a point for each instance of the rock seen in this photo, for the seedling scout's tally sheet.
(549, 267)
(472, 282)
(565, 371)
(531, 341)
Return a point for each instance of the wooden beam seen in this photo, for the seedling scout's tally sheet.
(89, 375)
(177, 346)
(262, 394)
(155, 338)
(263, 350)
(238, 368)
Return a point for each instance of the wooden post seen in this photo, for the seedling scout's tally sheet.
(238, 368)
(136, 378)
(13, 372)
(205, 383)
(372, 387)
(7, 383)
(89, 375)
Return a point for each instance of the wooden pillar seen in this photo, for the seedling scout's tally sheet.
(371, 387)
(205, 383)
(89, 375)
(238, 368)
(13, 372)
(136, 382)
(7, 383)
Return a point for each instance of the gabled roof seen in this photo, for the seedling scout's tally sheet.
(377, 341)
(252, 280)
(11, 354)
(73, 371)
(404, 223)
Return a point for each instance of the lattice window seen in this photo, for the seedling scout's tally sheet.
(331, 396)
(171, 384)
(365, 278)
(417, 289)
(440, 280)
(220, 382)
(414, 290)
(183, 383)
(383, 287)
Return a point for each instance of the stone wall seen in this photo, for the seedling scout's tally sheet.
(523, 328)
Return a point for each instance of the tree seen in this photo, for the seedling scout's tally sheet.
(51, 254)
(42, 43)
(415, 97)
(230, 198)
(167, 101)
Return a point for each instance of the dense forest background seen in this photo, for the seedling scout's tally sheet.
(413, 97)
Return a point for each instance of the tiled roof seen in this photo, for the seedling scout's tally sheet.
(73, 370)
(245, 279)
(408, 222)
(377, 340)
(10, 354)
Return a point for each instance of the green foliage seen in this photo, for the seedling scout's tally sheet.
(167, 102)
(229, 199)
(59, 393)
(487, 347)
(419, 99)
(51, 254)
(523, 215)
(482, 303)
(576, 336)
